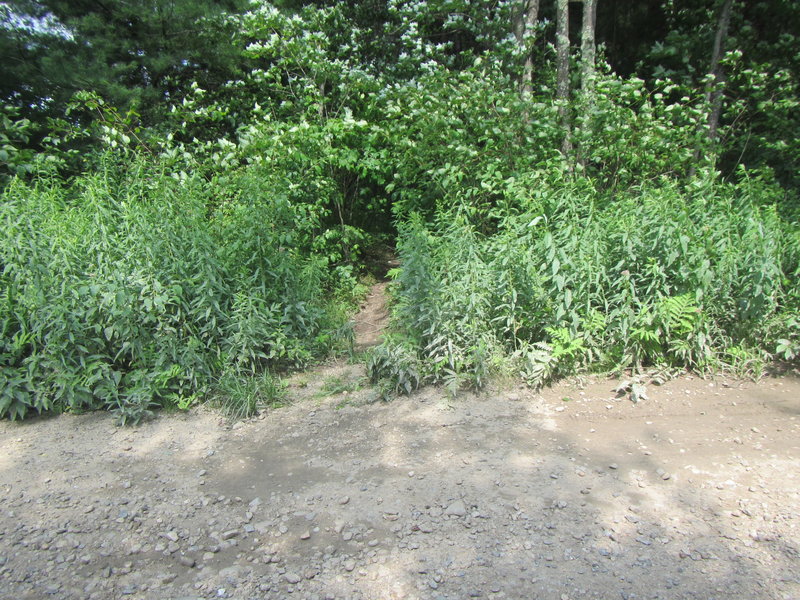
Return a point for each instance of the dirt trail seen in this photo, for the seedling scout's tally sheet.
(574, 493)
(372, 319)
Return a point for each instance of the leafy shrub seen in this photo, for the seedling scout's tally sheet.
(396, 365)
(658, 276)
(121, 291)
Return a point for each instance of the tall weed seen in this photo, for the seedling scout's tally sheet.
(658, 276)
(125, 291)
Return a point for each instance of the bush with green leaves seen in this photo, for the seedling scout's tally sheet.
(577, 279)
(124, 290)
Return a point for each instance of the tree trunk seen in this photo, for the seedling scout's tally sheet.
(562, 77)
(321, 108)
(588, 45)
(587, 74)
(518, 22)
(714, 89)
(526, 23)
(716, 79)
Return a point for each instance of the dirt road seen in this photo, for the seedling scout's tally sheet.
(694, 493)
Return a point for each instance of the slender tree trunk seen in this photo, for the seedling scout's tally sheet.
(587, 74)
(531, 18)
(714, 89)
(321, 109)
(716, 79)
(588, 46)
(518, 22)
(562, 77)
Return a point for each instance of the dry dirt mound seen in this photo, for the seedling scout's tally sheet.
(571, 494)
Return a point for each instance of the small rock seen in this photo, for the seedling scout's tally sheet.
(231, 533)
(456, 509)
(344, 500)
(293, 578)
(187, 561)
(613, 466)
(349, 565)
(305, 535)
(170, 535)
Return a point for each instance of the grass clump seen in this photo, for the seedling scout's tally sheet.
(243, 396)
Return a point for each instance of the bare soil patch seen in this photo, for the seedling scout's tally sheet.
(507, 494)
(372, 319)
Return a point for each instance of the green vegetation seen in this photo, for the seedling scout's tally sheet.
(339, 384)
(696, 278)
(242, 396)
(189, 190)
(123, 290)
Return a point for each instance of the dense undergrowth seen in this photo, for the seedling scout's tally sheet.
(699, 277)
(124, 290)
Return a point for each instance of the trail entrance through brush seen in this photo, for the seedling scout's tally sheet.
(372, 319)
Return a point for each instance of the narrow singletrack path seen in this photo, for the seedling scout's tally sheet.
(372, 319)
